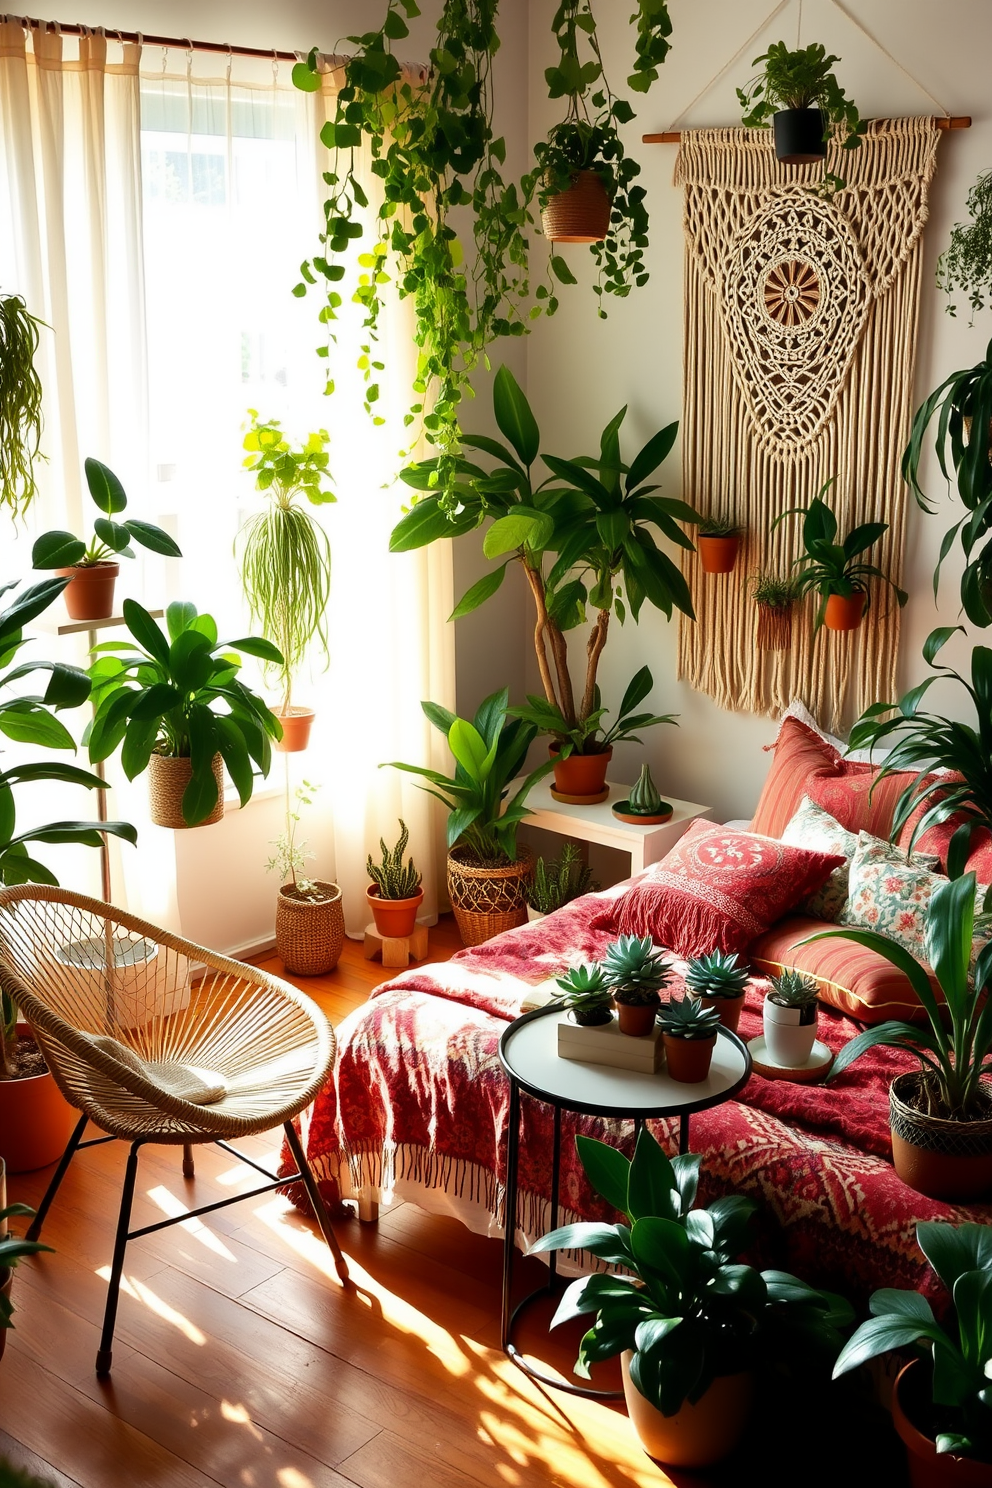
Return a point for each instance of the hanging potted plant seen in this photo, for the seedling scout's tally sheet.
(12, 1250)
(644, 806)
(588, 996)
(776, 599)
(718, 542)
(789, 1017)
(717, 981)
(690, 1031)
(636, 974)
(798, 93)
(689, 1321)
(285, 559)
(174, 706)
(93, 569)
(20, 404)
(558, 881)
(309, 913)
(395, 895)
(966, 262)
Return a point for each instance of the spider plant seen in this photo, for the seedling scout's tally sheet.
(20, 403)
(827, 566)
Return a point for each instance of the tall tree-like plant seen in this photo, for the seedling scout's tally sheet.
(20, 403)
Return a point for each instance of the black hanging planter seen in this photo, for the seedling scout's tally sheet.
(799, 136)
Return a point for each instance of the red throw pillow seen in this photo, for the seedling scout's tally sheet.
(855, 799)
(798, 753)
(938, 840)
(718, 889)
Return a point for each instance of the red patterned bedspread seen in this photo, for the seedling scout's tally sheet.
(418, 1093)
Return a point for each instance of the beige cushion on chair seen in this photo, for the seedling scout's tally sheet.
(190, 1082)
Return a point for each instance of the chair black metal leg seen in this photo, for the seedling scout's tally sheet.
(105, 1351)
(189, 1168)
(70, 1151)
(314, 1195)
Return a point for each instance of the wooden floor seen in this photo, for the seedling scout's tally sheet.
(240, 1360)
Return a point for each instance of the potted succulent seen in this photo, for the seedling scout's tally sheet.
(966, 262)
(285, 558)
(835, 570)
(718, 981)
(588, 995)
(798, 93)
(558, 882)
(941, 1405)
(309, 914)
(644, 806)
(776, 599)
(789, 1016)
(395, 895)
(12, 1250)
(174, 705)
(92, 569)
(20, 404)
(636, 973)
(690, 1030)
(690, 1322)
(487, 875)
(718, 542)
(941, 1115)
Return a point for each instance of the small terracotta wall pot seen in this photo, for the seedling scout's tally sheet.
(90, 593)
(394, 917)
(799, 136)
(296, 726)
(689, 1059)
(6, 1280)
(929, 1468)
(789, 1042)
(637, 1021)
(168, 777)
(697, 1435)
(36, 1121)
(717, 555)
(581, 774)
(950, 1160)
(309, 933)
(774, 628)
(728, 1009)
(844, 611)
(580, 214)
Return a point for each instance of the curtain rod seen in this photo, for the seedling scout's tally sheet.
(181, 42)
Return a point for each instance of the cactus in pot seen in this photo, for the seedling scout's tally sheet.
(789, 1015)
(587, 995)
(689, 1029)
(636, 974)
(395, 895)
(718, 981)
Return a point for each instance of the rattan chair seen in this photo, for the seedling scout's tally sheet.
(155, 1039)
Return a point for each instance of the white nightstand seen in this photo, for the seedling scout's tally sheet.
(598, 824)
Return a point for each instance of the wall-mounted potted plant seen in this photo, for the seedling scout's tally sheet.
(718, 542)
(690, 1032)
(20, 404)
(941, 1116)
(395, 895)
(798, 93)
(643, 806)
(789, 1018)
(309, 913)
(12, 1250)
(719, 981)
(776, 599)
(558, 881)
(92, 569)
(285, 559)
(636, 973)
(174, 706)
(588, 995)
(487, 874)
(689, 1321)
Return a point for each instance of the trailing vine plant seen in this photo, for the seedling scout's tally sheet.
(966, 263)
(20, 404)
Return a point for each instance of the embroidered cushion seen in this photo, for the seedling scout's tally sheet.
(858, 799)
(718, 889)
(815, 828)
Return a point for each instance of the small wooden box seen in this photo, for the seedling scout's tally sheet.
(605, 1044)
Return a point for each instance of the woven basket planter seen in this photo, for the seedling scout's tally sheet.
(774, 628)
(487, 901)
(168, 777)
(581, 214)
(309, 932)
(943, 1159)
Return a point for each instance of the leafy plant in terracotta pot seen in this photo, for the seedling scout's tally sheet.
(776, 598)
(588, 995)
(558, 881)
(789, 1017)
(798, 93)
(309, 912)
(395, 895)
(690, 1031)
(636, 973)
(718, 542)
(285, 558)
(13, 1249)
(719, 981)
(93, 568)
(20, 404)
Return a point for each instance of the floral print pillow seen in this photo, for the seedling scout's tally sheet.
(814, 828)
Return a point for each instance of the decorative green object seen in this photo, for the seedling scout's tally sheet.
(395, 879)
(20, 404)
(644, 798)
(688, 1018)
(559, 881)
(111, 539)
(588, 994)
(717, 975)
(827, 566)
(682, 1303)
(801, 79)
(635, 970)
(13, 1250)
(966, 262)
(794, 989)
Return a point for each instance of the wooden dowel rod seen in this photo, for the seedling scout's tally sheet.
(672, 137)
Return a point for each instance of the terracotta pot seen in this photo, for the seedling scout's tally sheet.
(90, 592)
(929, 1468)
(580, 214)
(637, 1021)
(728, 1009)
(581, 774)
(799, 136)
(309, 932)
(394, 917)
(949, 1160)
(689, 1059)
(788, 1039)
(717, 555)
(697, 1435)
(36, 1120)
(168, 777)
(774, 628)
(296, 726)
(844, 611)
(6, 1278)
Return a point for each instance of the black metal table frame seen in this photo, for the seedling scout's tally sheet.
(511, 1314)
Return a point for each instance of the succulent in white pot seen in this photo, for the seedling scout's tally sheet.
(789, 1014)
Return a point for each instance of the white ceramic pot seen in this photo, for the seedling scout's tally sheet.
(789, 1041)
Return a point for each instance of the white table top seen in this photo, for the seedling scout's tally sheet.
(529, 1050)
(600, 815)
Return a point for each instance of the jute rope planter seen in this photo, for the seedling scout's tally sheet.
(487, 901)
(774, 628)
(168, 777)
(580, 214)
(941, 1158)
(309, 932)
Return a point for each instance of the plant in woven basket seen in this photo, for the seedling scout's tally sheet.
(688, 1018)
(717, 975)
(827, 567)
(635, 970)
(394, 878)
(12, 1250)
(798, 80)
(111, 538)
(588, 994)
(559, 880)
(776, 597)
(966, 262)
(20, 404)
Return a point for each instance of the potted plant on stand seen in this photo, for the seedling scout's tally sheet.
(20, 404)
(558, 882)
(718, 542)
(285, 559)
(309, 914)
(644, 805)
(798, 93)
(12, 1250)
(776, 599)
(689, 1029)
(92, 570)
(789, 1019)
(636, 974)
(718, 981)
(395, 895)
(588, 995)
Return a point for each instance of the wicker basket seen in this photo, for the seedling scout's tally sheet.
(580, 214)
(774, 628)
(950, 1160)
(487, 901)
(309, 933)
(168, 777)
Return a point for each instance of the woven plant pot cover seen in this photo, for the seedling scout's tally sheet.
(579, 215)
(487, 901)
(168, 777)
(774, 628)
(309, 933)
(934, 1133)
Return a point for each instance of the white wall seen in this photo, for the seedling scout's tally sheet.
(580, 370)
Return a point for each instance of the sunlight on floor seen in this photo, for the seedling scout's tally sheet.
(291, 1477)
(143, 1293)
(238, 1415)
(172, 1206)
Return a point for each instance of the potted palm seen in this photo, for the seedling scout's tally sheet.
(718, 542)
(690, 1031)
(20, 403)
(92, 568)
(636, 973)
(690, 1322)
(309, 914)
(285, 558)
(588, 995)
(395, 895)
(776, 599)
(718, 981)
(12, 1250)
(789, 1017)
(558, 881)
(799, 94)
(836, 570)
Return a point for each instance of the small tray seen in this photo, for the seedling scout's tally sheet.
(621, 810)
(581, 800)
(810, 1073)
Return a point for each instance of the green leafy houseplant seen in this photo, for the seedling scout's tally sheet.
(826, 566)
(20, 403)
(801, 79)
(959, 1355)
(394, 878)
(289, 861)
(588, 995)
(966, 263)
(776, 597)
(560, 880)
(178, 695)
(589, 735)
(285, 555)
(12, 1250)
(111, 539)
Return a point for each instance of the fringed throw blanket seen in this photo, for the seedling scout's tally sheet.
(800, 329)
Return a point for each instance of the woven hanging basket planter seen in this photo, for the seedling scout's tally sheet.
(943, 1159)
(487, 901)
(774, 628)
(580, 214)
(309, 932)
(168, 777)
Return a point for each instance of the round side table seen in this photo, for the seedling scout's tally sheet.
(528, 1051)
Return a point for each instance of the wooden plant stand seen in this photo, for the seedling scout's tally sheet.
(396, 950)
